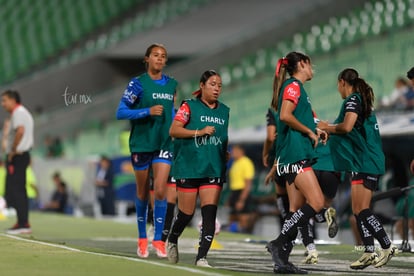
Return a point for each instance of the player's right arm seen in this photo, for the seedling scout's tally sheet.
(132, 95)
(178, 130)
(352, 108)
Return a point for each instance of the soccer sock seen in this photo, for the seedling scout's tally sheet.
(366, 237)
(208, 228)
(160, 208)
(298, 219)
(307, 233)
(320, 216)
(282, 203)
(375, 227)
(141, 209)
(150, 215)
(179, 225)
(169, 215)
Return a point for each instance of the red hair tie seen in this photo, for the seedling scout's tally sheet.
(197, 93)
(279, 63)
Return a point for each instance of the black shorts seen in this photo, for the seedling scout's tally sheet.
(196, 184)
(234, 197)
(370, 181)
(290, 171)
(329, 182)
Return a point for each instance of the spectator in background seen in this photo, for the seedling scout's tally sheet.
(104, 187)
(240, 201)
(18, 145)
(401, 98)
(59, 197)
(410, 94)
(410, 76)
(54, 147)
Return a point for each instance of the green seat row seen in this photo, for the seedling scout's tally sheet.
(33, 31)
(376, 17)
(155, 15)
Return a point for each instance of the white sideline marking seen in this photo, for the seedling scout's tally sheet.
(114, 256)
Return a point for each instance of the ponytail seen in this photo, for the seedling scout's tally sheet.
(288, 64)
(360, 86)
(367, 95)
(279, 78)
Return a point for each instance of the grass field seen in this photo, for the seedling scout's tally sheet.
(62, 245)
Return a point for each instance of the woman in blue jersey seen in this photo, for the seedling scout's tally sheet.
(148, 102)
(356, 147)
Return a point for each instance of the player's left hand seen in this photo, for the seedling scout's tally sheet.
(314, 138)
(270, 177)
(412, 167)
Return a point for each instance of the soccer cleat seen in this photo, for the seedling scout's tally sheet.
(159, 247)
(367, 259)
(17, 229)
(280, 254)
(386, 255)
(202, 263)
(311, 258)
(330, 216)
(142, 248)
(172, 252)
(288, 268)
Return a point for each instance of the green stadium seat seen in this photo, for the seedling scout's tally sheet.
(46, 27)
(127, 29)
(368, 58)
(185, 88)
(260, 60)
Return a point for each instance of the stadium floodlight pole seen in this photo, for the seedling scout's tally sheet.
(405, 245)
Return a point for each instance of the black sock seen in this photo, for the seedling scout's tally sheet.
(297, 219)
(307, 233)
(374, 226)
(169, 215)
(208, 228)
(179, 225)
(366, 237)
(320, 216)
(150, 215)
(296, 230)
(282, 203)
